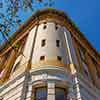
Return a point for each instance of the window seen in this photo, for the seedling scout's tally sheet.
(44, 27)
(42, 57)
(43, 42)
(60, 94)
(45, 22)
(59, 58)
(57, 43)
(56, 26)
(41, 93)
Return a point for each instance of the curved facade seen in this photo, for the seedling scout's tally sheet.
(52, 62)
(50, 43)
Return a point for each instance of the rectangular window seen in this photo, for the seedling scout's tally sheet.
(45, 26)
(41, 93)
(56, 26)
(43, 42)
(60, 94)
(42, 57)
(59, 58)
(57, 43)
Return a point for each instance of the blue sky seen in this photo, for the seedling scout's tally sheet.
(86, 15)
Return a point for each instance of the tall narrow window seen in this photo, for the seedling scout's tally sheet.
(42, 57)
(59, 58)
(57, 43)
(41, 93)
(43, 42)
(56, 26)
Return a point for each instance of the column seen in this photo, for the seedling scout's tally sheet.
(70, 95)
(76, 88)
(30, 93)
(51, 91)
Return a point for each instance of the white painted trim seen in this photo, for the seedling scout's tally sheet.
(68, 48)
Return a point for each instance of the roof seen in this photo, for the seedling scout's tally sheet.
(59, 13)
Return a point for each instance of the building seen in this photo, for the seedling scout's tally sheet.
(49, 59)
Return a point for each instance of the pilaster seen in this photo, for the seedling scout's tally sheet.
(51, 91)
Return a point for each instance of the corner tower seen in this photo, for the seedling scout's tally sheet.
(49, 62)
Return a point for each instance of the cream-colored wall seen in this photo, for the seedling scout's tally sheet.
(28, 46)
(50, 50)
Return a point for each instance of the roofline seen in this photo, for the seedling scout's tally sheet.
(39, 13)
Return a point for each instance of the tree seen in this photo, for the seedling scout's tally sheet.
(10, 13)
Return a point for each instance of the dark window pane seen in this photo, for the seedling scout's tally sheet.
(57, 43)
(42, 57)
(60, 94)
(59, 58)
(56, 26)
(43, 42)
(44, 27)
(41, 94)
(45, 22)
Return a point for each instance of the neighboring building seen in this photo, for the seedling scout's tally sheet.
(49, 59)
